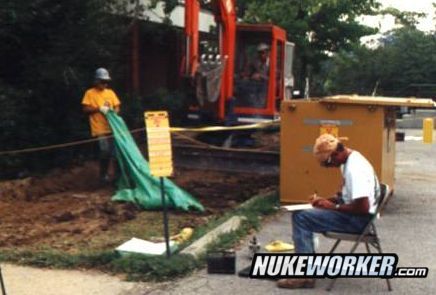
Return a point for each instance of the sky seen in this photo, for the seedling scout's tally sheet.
(388, 22)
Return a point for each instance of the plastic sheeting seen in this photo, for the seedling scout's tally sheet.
(136, 184)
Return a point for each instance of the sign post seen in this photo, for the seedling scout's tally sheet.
(160, 157)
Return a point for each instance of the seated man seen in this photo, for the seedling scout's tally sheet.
(348, 211)
(253, 87)
(259, 69)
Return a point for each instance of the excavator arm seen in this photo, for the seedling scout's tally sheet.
(192, 11)
(225, 16)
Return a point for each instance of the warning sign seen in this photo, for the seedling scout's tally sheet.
(159, 143)
(329, 129)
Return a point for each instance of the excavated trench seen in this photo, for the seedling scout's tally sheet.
(65, 207)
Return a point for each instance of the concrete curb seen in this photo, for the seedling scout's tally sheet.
(199, 247)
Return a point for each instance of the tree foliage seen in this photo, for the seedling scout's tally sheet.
(405, 18)
(49, 52)
(405, 58)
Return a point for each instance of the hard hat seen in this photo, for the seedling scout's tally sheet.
(102, 74)
(262, 47)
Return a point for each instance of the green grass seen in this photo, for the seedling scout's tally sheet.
(141, 267)
(252, 211)
(158, 268)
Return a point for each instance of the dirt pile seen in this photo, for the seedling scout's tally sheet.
(32, 188)
(67, 208)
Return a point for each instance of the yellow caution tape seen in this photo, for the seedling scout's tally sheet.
(172, 129)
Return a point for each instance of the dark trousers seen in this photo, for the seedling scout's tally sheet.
(107, 156)
(306, 222)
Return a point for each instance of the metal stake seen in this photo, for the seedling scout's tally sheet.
(165, 217)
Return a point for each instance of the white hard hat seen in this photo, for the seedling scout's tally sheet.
(262, 47)
(102, 74)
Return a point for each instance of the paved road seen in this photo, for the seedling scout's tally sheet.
(406, 228)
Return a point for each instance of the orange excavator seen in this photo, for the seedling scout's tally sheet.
(249, 73)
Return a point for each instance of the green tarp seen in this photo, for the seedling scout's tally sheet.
(136, 184)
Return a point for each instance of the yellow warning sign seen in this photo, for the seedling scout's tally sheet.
(329, 129)
(159, 143)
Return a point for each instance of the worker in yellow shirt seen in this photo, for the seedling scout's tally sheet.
(96, 102)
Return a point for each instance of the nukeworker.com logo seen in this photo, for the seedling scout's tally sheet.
(265, 265)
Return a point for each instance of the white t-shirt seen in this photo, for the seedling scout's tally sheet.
(359, 180)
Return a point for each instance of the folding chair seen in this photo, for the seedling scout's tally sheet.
(368, 236)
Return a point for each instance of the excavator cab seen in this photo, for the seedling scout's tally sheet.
(259, 72)
(250, 75)
(261, 77)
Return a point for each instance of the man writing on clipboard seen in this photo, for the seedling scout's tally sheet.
(349, 211)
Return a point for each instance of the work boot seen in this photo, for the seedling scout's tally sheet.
(296, 283)
(104, 167)
(105, 179)
(117, 169)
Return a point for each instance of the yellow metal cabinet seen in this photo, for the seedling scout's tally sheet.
(367, 122)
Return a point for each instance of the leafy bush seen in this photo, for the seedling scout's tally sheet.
(49, 52)
(173, 102)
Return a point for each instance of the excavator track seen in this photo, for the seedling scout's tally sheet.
(228, 160)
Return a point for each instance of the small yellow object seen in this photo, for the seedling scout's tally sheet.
(183, 236)
(279, 246)
(427, 130)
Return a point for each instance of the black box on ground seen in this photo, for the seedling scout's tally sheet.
(222, 262)
(400, 136)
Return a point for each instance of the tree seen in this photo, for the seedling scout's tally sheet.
(405, 58)
(405, 18)
(49, 51)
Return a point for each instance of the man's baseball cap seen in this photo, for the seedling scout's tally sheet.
(325, 145)
(262, 47)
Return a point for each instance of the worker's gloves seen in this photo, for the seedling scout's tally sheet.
(104, 109)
